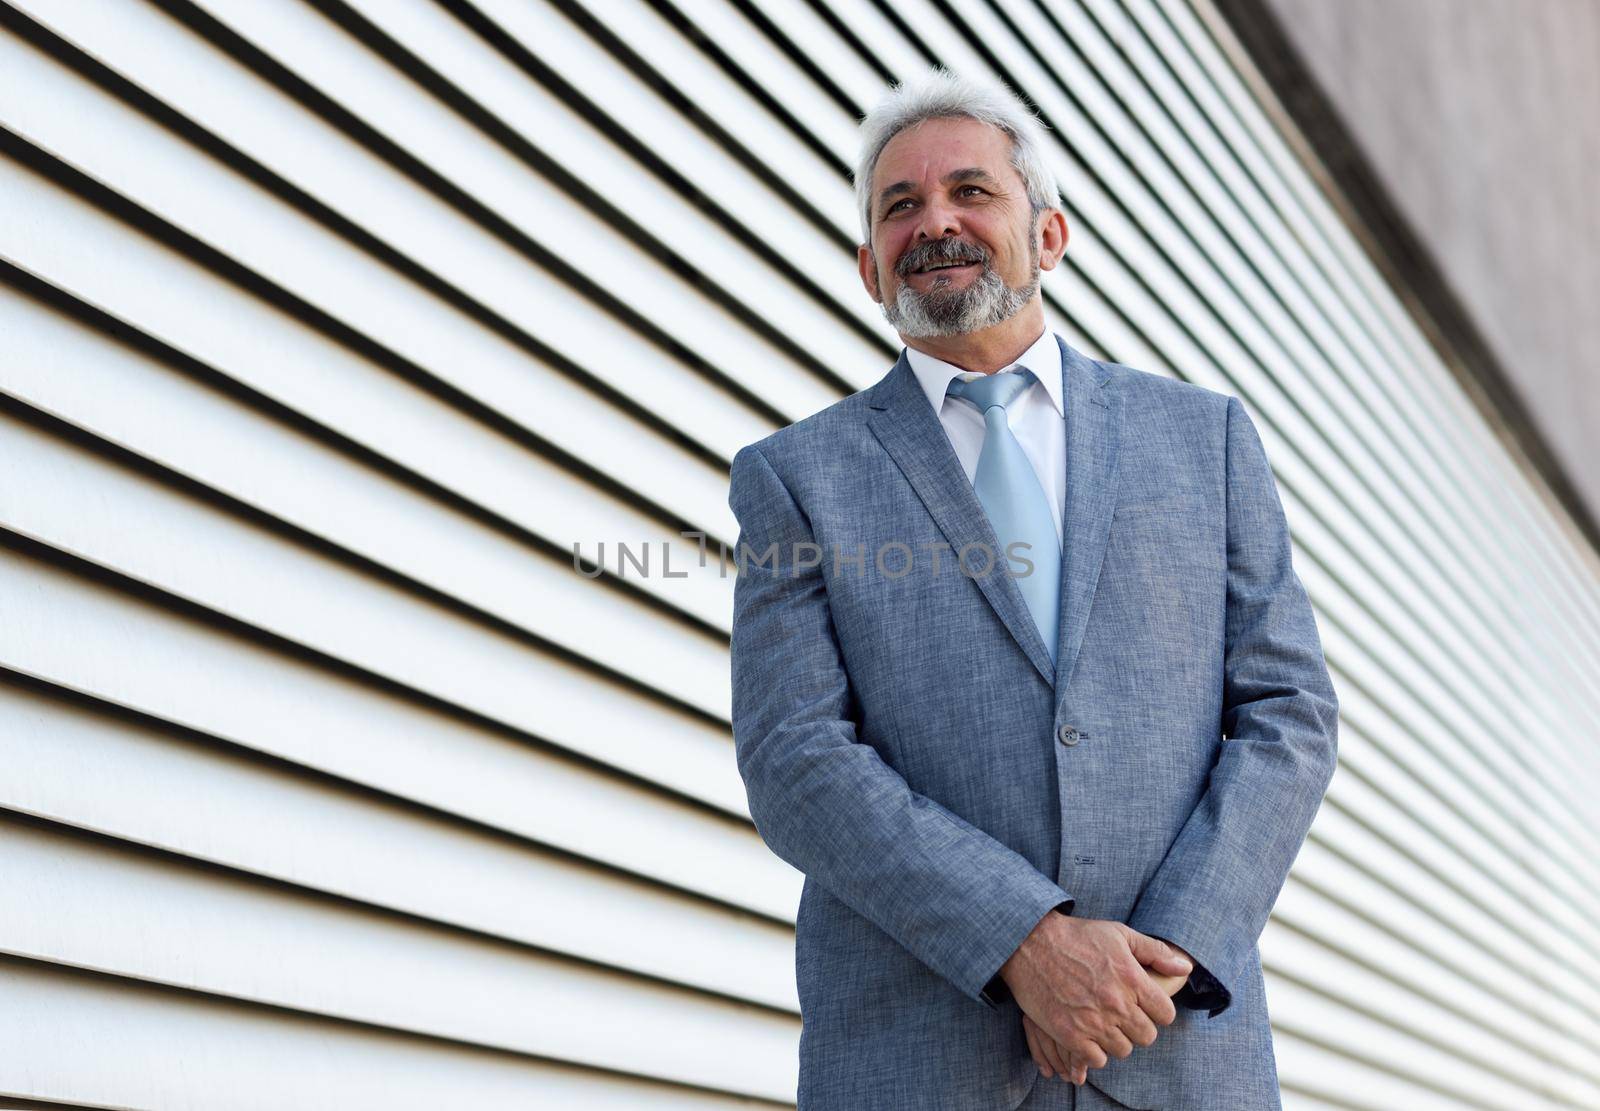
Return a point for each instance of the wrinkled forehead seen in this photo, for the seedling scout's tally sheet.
(942, 142)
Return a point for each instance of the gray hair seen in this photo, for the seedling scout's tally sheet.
(938, 94)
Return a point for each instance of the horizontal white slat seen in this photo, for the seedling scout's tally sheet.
(223, 934)
(784, 81)
(802, 27)
(1410, 949)
(97, 1041)
(1296, 1099)
(172, 540)
(1403, 669)
(660, 46)
(1451, 843)
(1427, 791)
(213, 802)
(91, 129)
(185, 71)
(85, 636)
(1394, 1028)
(166, 416)
(154, 290)
(446, 44)
(1405, 1055)
(1492, 1044)
(871, 25)
(1483, 458)
(1454, 766)
(1416, 636)
(1307, 1062)
(1442, 877)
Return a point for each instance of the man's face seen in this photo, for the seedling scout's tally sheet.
(945, 192)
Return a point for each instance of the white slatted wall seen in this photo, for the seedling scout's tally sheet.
(329, 328)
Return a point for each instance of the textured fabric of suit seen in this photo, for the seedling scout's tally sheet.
(1163, 772)
(1055, 1094)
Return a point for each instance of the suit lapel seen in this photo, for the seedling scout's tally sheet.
(1094, 426)
(903, 421)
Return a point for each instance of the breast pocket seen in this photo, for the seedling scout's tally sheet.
(1162, 585)
(1181, 504)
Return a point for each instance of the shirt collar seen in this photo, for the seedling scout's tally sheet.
(1043, 357)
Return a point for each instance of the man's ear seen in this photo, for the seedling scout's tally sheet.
(869, 271)
(1052, 238)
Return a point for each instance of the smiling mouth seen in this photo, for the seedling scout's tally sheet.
(942, 267)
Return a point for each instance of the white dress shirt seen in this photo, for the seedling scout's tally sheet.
(1037, 417)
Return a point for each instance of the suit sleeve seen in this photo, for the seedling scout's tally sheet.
(1212, 893)
(823, 800)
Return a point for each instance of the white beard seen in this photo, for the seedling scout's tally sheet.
(986, 302)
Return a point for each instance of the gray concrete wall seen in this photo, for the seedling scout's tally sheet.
(1482, 118)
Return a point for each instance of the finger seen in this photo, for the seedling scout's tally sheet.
(1089, 1055)
(1060, 1061)
(1117, 1043)
(1050, 1050)
(1155, 1000)
(1080, 1072)
(1154, 952)
(1169, 985)
(1138, 1029)
(1034, 1050)
(1173, 964)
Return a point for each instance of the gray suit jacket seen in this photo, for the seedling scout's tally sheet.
(906, 743)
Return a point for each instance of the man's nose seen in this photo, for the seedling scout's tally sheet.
(939, 219)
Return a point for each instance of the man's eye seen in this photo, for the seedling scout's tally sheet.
(894, 206)
(966, 187)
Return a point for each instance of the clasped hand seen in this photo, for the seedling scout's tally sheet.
(1089, 988)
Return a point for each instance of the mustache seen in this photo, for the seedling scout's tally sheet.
(940, 250)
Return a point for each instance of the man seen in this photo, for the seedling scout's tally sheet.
(1043, 800)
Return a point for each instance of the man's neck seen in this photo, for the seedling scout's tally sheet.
(988, 350)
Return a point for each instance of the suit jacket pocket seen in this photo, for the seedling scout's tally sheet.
(1177, 503)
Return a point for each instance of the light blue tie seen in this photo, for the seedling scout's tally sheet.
(1009, 491)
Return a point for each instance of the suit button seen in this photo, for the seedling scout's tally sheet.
(1068, 735)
